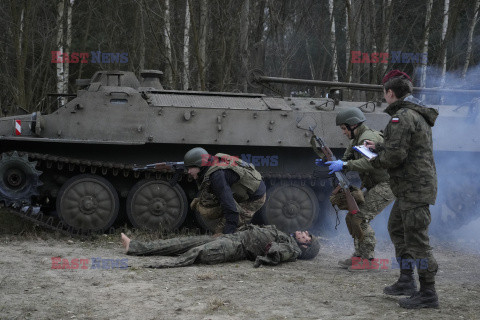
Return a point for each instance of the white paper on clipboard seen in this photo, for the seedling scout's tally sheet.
(365, 151)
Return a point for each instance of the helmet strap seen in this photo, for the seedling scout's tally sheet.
(349, 128)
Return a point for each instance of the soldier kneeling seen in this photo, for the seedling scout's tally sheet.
(230, 190)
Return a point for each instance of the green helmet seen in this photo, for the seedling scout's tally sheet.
(350, 116)
(311, 251)
(194, 157)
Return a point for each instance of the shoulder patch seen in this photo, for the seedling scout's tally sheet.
(395, 120)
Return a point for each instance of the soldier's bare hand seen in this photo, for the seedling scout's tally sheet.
(369, 144)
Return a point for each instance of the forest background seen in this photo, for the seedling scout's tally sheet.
(213, 44)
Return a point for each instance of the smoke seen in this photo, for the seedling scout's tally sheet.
(457, 149)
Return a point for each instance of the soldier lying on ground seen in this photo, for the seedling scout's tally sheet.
(264, 245)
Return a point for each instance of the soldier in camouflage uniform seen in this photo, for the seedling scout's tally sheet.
(378, 194)
(264, 245)
(407, 153)
(230, 190)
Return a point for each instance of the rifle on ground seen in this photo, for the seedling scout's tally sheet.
(344, 184)
(177, 167)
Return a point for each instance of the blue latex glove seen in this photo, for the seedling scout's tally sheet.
(319, 162)
(334, 166)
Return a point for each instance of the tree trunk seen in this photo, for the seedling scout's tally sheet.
(202, 51)
(258, 50)
(333, 42)
(385, 46)
(244, 29)
(60, 69)
(310, 64)
(444, 47)
(186, 48)
(372, 37)
(141, 37)
(68, 44)
(348, 40)
(84, 41)
(426, 34)
(468, 53)
(169, 70)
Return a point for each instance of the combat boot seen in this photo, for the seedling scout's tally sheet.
(345, 264)
(405, 285)
(425, 298)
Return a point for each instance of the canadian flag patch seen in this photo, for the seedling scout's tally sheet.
(395, 120)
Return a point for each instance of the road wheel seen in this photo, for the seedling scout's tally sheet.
(155, 204)
(291, 207)
(88, 202)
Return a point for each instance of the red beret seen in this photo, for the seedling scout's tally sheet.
(395, 74)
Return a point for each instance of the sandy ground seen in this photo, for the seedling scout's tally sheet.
(317, 289)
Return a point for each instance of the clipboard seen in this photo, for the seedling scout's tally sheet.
(366, 152)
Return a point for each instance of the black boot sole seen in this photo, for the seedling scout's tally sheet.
(433, 305)
(402, 293)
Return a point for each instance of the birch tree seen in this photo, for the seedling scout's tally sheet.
(426, 34)
(20, 37)
(68, 44)
(333, 40)
(60, 66)
(186, 48)
(168, 43)
(468, 53)
(444, 46)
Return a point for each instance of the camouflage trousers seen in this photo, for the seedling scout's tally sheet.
(376, 199)
(408, 228)
(215, 220)
(189, 250)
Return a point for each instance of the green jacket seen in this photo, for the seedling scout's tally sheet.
(407, 152)
(356, 162)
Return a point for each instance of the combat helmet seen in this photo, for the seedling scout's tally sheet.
(194, 157)
(311, 250)
(350, 116)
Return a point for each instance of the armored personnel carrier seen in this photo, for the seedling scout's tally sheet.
(80, 163)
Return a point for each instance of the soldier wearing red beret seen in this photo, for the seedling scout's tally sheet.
(407, 154)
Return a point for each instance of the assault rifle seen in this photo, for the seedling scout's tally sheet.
(177, 167)
(343, 183)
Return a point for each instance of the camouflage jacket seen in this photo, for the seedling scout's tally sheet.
(356, 162)
(407, 151)
(268, 244)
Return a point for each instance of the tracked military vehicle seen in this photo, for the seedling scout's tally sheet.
(79, 163)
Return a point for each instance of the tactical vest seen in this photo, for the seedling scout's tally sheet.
(250, 178)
